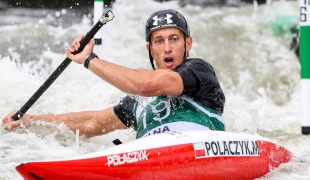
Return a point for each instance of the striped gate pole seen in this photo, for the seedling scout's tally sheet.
(98, 11)
(304, 40)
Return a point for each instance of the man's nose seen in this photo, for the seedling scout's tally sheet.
(168, 48)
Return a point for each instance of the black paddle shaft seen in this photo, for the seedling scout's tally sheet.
(106, 17)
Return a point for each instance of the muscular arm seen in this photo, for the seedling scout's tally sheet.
(89, 123)
(140, 82)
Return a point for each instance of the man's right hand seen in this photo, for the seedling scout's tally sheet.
(82, 56)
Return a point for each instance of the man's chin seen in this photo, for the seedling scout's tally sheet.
(169, 65)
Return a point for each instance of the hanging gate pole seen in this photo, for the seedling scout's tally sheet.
(304, 40)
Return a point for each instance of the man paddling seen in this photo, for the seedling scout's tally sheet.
(181, 93)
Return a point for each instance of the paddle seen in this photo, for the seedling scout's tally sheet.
(106, 17)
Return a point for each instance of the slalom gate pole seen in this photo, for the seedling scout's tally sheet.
(98, 11)
(304, 40)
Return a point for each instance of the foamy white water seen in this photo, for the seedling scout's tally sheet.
(257, 70)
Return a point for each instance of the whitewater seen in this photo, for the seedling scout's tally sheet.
(253, 58)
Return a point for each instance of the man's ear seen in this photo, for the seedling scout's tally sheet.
(147, 45)
(189, 43)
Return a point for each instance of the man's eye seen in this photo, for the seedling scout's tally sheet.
(159, 41)
(174, 38)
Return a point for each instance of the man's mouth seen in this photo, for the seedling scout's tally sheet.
(168, 61)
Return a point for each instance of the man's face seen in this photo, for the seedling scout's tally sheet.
(167, 47)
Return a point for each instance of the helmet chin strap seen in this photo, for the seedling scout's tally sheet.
(152, 59)
(185, 54)
(150, 56)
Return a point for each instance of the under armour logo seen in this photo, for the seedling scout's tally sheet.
(156, 19)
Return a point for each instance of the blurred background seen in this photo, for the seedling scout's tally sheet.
(252, 45)
(73, 3)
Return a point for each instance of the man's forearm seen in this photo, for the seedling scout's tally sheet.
(89, 123)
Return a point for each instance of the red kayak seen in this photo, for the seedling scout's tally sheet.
(176, 155)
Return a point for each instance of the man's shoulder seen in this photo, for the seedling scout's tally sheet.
(197, 62)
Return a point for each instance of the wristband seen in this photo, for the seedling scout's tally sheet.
(91, 56)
